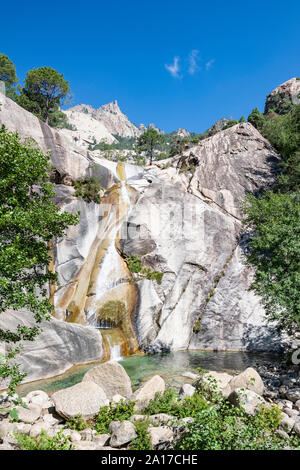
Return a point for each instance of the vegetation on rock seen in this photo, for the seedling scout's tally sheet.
(28, 222)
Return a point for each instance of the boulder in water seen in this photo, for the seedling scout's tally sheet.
(111, 377)
(84, 398)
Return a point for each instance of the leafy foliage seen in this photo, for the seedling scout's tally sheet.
(136, 266)
(8, 75)
(275, 252)
(143, 441)
(44, 442)
(28, 222)
(77, 423)
(43, 93)
(88, 188)
(149, 142)
(169, 403)
(120, 411)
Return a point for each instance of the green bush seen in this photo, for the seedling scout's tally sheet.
(77, 423)
(143, 441)
(135, 265)
(44, 442)
(169, 403)
(114, 412)
(88, 189)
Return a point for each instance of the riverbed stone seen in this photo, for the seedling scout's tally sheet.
(250, 401)
(187, 390)
(147, 392)
(6, 428)
(297, 405)
(249, 379)
(30, 414)
(122, 434)
(297, 428)
(37, 428)
(160, 434)
(287, 423)
(101, 439)
(219, 381)
(40, 398)
(293, 394)
(111, 377)
(161, 418)
(84, 398)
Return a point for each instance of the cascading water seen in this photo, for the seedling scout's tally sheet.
(110, 273)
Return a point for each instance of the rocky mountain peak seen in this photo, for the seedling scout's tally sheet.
(112, 107)
(283, 96)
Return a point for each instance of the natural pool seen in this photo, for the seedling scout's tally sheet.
(170, 366)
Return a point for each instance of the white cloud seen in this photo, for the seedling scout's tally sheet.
(209, 64)
(174, 68)
(193, 65)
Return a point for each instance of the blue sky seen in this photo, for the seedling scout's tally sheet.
(176, 64)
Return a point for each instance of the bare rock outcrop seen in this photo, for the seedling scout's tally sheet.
(283, 96)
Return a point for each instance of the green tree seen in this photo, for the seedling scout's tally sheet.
(275, 252)
(28, 222)
(44, 91)
(8, 75)
(256, 118)
(179, 146)
(150, 141)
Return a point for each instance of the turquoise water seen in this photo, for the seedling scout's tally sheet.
(170, 366)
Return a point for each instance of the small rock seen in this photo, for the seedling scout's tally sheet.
(160, 435)
(297, 428)
(85, 445)
(160, 418)
(37, 428)
(219, 380)
(291, 413)
(148, 391)
(248, 379)
(246, 399)
(190, 375)
(117, 398)
(186, 390)
(282, 433)
(287, 423)
(6, 428)
(297, 405)
(22, 428)
(87, 434)
(30, 414)
(123, 434)
(38, 397)
(135, 418)
(293, 394)
(101, 439)
(50, 420)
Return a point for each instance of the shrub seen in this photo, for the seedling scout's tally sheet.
(114, 412)
(143, 441)
(88, 189)
(44, 442)
(77, 423)
(168, 403)
(135, 265)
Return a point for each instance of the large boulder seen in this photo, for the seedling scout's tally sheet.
(57, 348)
(160, 435)
(85, 398)
(218, 381)
(250, 401)
(147, 392)
(111, 377)
(249, 379)
(30, 414)
(122, 433)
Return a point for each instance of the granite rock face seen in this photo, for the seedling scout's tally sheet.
(182, 218)
(283, 96)
(56, 349)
